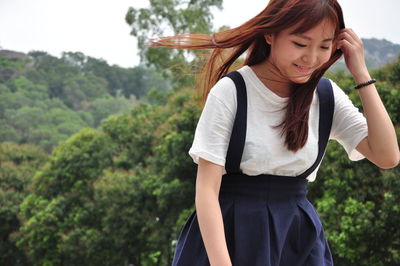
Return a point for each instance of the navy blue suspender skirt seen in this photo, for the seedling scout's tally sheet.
(268, 220)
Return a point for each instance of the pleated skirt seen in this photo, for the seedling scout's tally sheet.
(268, 221)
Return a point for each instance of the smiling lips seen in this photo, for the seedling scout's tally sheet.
(303, 69)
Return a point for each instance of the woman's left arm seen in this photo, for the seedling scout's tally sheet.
(380, 146)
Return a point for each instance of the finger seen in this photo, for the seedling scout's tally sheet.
(345, 40)
(345, 34)
(350, 35)
(353, 34)
(350, 38)
(344, 45)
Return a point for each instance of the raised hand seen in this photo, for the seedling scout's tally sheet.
(353, 50)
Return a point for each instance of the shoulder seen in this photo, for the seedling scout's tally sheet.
(224, 91)
(338, 92)
(223, 87)
(340, 97)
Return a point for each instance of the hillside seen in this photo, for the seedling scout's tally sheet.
(380, 52)
(121, 194)
(45, 99)
(377, 53)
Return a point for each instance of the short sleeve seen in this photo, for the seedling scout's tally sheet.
(215, 124)
(349, 125)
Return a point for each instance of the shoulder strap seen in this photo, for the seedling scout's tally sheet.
(238, 135)
(326, 109)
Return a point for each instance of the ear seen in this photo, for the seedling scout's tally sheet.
(268, 38)
(335, 45)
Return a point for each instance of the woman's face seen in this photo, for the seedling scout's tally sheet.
(297, 56)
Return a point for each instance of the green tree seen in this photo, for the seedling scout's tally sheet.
(105, 197)
(170, 17)
(101, 108)
(10, 69)
(18, 164)
(127, 218)
(120, 195)
(51, 72)
(357, 201)
(78, 91)
(48, 99)
(59, 217)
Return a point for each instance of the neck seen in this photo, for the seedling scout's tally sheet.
(272, 78)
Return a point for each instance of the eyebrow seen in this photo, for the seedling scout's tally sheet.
(310, 39)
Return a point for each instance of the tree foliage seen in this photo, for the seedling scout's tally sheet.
(48, 99)
(59, 216)
(166, 18)
(105, 197)
(357, 200)
(18, 164)
(120, 195)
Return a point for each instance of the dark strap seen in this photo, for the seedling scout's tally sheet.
(326, 108)
(238, 135)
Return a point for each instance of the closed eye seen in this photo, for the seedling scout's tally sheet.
(303, 45)
(299, 44)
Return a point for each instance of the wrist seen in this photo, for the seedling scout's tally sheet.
(365, 84)
(361, 78)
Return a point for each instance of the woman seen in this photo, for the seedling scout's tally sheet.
(251, 205)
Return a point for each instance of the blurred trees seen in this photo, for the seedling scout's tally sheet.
(60, 219)
(18, 163)
(358, 202)
(168, 18)
(121, 195)
(46, 99)
(111, 197)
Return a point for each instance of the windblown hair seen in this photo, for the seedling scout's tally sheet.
(229, 45)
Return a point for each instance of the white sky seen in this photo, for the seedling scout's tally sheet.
(98, 28)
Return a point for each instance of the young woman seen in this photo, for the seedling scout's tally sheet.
(263, 131)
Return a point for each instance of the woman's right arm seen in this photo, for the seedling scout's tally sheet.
(208, 182)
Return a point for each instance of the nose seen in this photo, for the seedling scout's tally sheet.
(310, 57)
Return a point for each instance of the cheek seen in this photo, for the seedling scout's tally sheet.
(293, 54)
(325, 57)
(289, 54)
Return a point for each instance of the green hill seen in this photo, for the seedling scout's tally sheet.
(45, 99)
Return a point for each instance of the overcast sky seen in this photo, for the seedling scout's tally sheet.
(98, 28)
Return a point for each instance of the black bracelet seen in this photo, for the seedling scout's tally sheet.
(372, 81)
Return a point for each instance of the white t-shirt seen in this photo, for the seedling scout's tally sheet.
(264, 151)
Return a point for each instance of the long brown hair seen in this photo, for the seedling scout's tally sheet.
(229, 45)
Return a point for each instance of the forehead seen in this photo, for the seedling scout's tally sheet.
(323, 30)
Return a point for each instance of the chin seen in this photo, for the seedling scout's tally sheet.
(301, 80)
